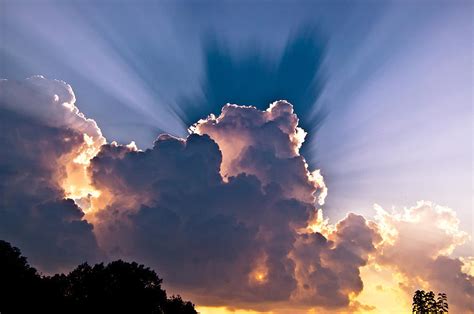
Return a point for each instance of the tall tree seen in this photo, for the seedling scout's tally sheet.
(442, 303)
(419, 302)
(430, 303)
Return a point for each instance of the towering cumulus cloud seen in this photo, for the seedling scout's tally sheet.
(231, 215)
(45, 142)
(225, 213)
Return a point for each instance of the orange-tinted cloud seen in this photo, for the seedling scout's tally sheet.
(418, 243)
(230, 216)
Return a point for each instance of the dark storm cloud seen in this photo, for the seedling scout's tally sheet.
(237, 237)
(33, 212)
(329, 267)
(251, 77)
(198, 230)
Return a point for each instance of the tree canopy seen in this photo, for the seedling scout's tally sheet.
(118, 287)
(426, 303)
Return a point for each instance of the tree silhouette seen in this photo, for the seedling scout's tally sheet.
(442, 303)
(176, 305)
(419, 304)
(118, 287)
(431, 304)
(425, 303)
(18, 281)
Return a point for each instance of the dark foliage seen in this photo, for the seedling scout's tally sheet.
(118, 287)
(19, 283)
(442, 303)
(425, 303)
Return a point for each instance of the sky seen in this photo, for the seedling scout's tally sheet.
(383, 89)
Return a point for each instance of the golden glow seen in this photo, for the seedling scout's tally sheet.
(382, 290)
(259, 274)
(468, 267)
(75, 180)
(224, 310)
(260, 277)
(317, 223)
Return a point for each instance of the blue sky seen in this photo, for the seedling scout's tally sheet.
(397, 81)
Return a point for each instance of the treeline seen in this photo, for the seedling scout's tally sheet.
(118, 287)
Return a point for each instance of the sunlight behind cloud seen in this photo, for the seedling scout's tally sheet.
(235, 213)
(224, 310)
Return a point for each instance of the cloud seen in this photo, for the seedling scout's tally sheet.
(418, 243)
(232, 214)
(265, 144)
(223, 214)
(328, 266)
(51, 103)
(41, 133)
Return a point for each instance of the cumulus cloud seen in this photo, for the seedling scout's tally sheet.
(224, 213)
(328, 266)
(41, 134)
(51, 103)
(232, 214)
(418, 242)
(265, 144)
